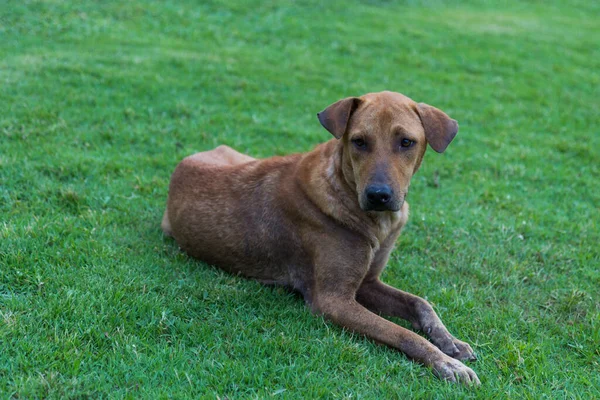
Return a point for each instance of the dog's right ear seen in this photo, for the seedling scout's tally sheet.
(335, 117)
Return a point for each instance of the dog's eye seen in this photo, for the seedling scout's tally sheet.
(359, 143)
(406, 142)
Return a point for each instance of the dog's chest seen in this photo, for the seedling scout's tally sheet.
(390, 223)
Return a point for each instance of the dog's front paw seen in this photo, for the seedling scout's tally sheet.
(463, 351)
(453, 347)
(454, 371)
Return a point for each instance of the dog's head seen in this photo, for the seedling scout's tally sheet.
(384, 137)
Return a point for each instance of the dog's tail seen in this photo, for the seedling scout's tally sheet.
(166, 224)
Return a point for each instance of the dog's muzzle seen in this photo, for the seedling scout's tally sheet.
(380, 198)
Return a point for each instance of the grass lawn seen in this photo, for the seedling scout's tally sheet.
(100, 100)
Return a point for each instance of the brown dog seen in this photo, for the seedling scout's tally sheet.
(324, 223)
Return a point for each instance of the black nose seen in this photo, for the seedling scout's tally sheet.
(378, 194)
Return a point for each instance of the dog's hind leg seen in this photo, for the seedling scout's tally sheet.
(221, 155)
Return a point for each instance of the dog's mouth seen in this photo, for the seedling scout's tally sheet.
(380, 208)
(393, 205)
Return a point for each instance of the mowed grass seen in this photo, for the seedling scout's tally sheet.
(100, 100)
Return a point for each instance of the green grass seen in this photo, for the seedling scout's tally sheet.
(100, 100)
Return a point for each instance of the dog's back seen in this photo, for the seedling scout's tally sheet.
(235, 213)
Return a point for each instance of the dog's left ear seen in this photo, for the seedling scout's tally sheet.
(335, 117)
(440, 129)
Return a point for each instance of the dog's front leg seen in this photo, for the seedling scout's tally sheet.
(346, 311)
(387, 300)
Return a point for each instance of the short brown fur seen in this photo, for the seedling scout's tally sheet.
(306, 220)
